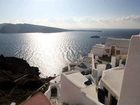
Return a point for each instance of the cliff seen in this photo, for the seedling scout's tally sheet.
(18, 80)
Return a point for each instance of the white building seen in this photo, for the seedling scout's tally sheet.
(116, 46)
(54, 88)
(83, 65)
(120, 85)
(111, 83)
(98, 50)
(130, 92)
(74, 91)
(112, 47)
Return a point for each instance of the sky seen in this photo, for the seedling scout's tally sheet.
(72, 14)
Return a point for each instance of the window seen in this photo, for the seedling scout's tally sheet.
(118, 52)
(113, 100)
(106, 92)
(107, 50)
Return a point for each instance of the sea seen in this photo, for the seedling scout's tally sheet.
(50, 52)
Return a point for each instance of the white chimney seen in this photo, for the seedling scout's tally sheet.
(113, 61)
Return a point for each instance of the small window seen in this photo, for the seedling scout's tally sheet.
(106, 92)
(107, 50)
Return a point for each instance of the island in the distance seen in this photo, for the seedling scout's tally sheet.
(28, 28)
(31, 28)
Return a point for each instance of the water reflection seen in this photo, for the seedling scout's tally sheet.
(46, 54)
(48, 51)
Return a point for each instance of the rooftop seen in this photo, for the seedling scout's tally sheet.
(56, 80)
(90, 91)
(78, 80)
(112, 78)
(37, 99)
(99, 45)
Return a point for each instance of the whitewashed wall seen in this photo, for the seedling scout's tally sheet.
(130, 92)
(71, 94)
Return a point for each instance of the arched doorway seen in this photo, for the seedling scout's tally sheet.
(53, 92)
(113, 50)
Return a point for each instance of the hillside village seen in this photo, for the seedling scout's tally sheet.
(109, 75)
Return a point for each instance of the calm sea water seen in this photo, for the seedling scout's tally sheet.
(52, 51)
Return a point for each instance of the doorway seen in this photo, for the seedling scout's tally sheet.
(54, 92)
(113, 100)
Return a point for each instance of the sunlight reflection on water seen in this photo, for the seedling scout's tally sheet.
(52, 51)
(49, 52)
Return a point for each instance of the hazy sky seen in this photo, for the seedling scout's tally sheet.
(72, 13)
